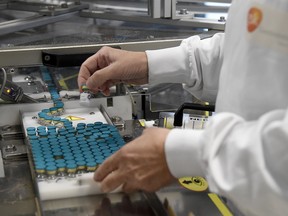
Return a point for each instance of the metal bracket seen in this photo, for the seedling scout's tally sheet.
(13, 150)
(179, 9)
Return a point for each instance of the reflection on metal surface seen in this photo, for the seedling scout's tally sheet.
(183, 202)
(16, 192)
(104, 205)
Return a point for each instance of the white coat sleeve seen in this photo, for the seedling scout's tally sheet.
(195, 63)
(245, 161)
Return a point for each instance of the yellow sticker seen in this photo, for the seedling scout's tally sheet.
(142, 122)
(74, 118)
(195, 183)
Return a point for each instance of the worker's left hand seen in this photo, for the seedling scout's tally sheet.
(140, 164)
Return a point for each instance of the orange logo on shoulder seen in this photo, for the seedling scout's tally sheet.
(254, 19)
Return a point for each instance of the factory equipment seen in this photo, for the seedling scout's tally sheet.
(45, 122)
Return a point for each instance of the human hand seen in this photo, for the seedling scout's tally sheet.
(110, 66)
(140, 164)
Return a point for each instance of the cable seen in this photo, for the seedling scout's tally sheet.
(4, 81)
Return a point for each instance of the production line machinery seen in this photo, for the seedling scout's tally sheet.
(52, 140)
(49, 158)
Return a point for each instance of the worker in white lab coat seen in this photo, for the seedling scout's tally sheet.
(243, 152)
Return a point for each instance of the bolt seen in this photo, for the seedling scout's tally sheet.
(116, 119)
(222, 19)
(183, 11)
(64, 5)
(77, 2)
(51, 8)
(10, 148)
(47, 58)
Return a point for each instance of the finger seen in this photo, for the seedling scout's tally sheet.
(91, 64)
(109, 165)
(129, 188)
(109, 74)
(95, 81)
(112, 181)
(83, 76)
(87, 68)
(106, 91)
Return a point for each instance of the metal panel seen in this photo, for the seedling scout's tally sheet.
(29, 56)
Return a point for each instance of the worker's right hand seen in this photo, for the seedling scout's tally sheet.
(110, 66)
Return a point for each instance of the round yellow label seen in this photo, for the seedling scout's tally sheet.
(195, 183)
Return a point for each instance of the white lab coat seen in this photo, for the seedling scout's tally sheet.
(243, 152)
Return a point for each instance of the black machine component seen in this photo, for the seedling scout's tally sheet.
(14, 93)
(65, 58)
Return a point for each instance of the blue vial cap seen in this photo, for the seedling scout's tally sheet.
(114, 149)
(79, 136)
(81, 132)
(79, 158)
(99, 161)
(87, 134)
(89, 125)
(107, 154)
(31, 129)
(68, 135)
(41, 128)
(36, 150)
(106, 151)
(68, 158)
(71, 166)
(76, 152)
(43, 139)
(61, 138)
(91, 164)
(82, 142)
(51, 127)
(43, 133)
(70, 161)
(86, 149)
(72, 131)
(81, 124)
(31, 133)
(40, 166)
(53, 109)
(89, 156)
(50, 118)
(51, 167)
(48, 156)
(98, 123)
(60, 161)
(45, 110)
(57, 153)
(73, 144)
(97, 154)
(33, 137)
(47, 160)
(102, 148)
(81, 163)
(50, 164)
(61, 165)
(67, 151)
(52, 140)
(75, 149)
